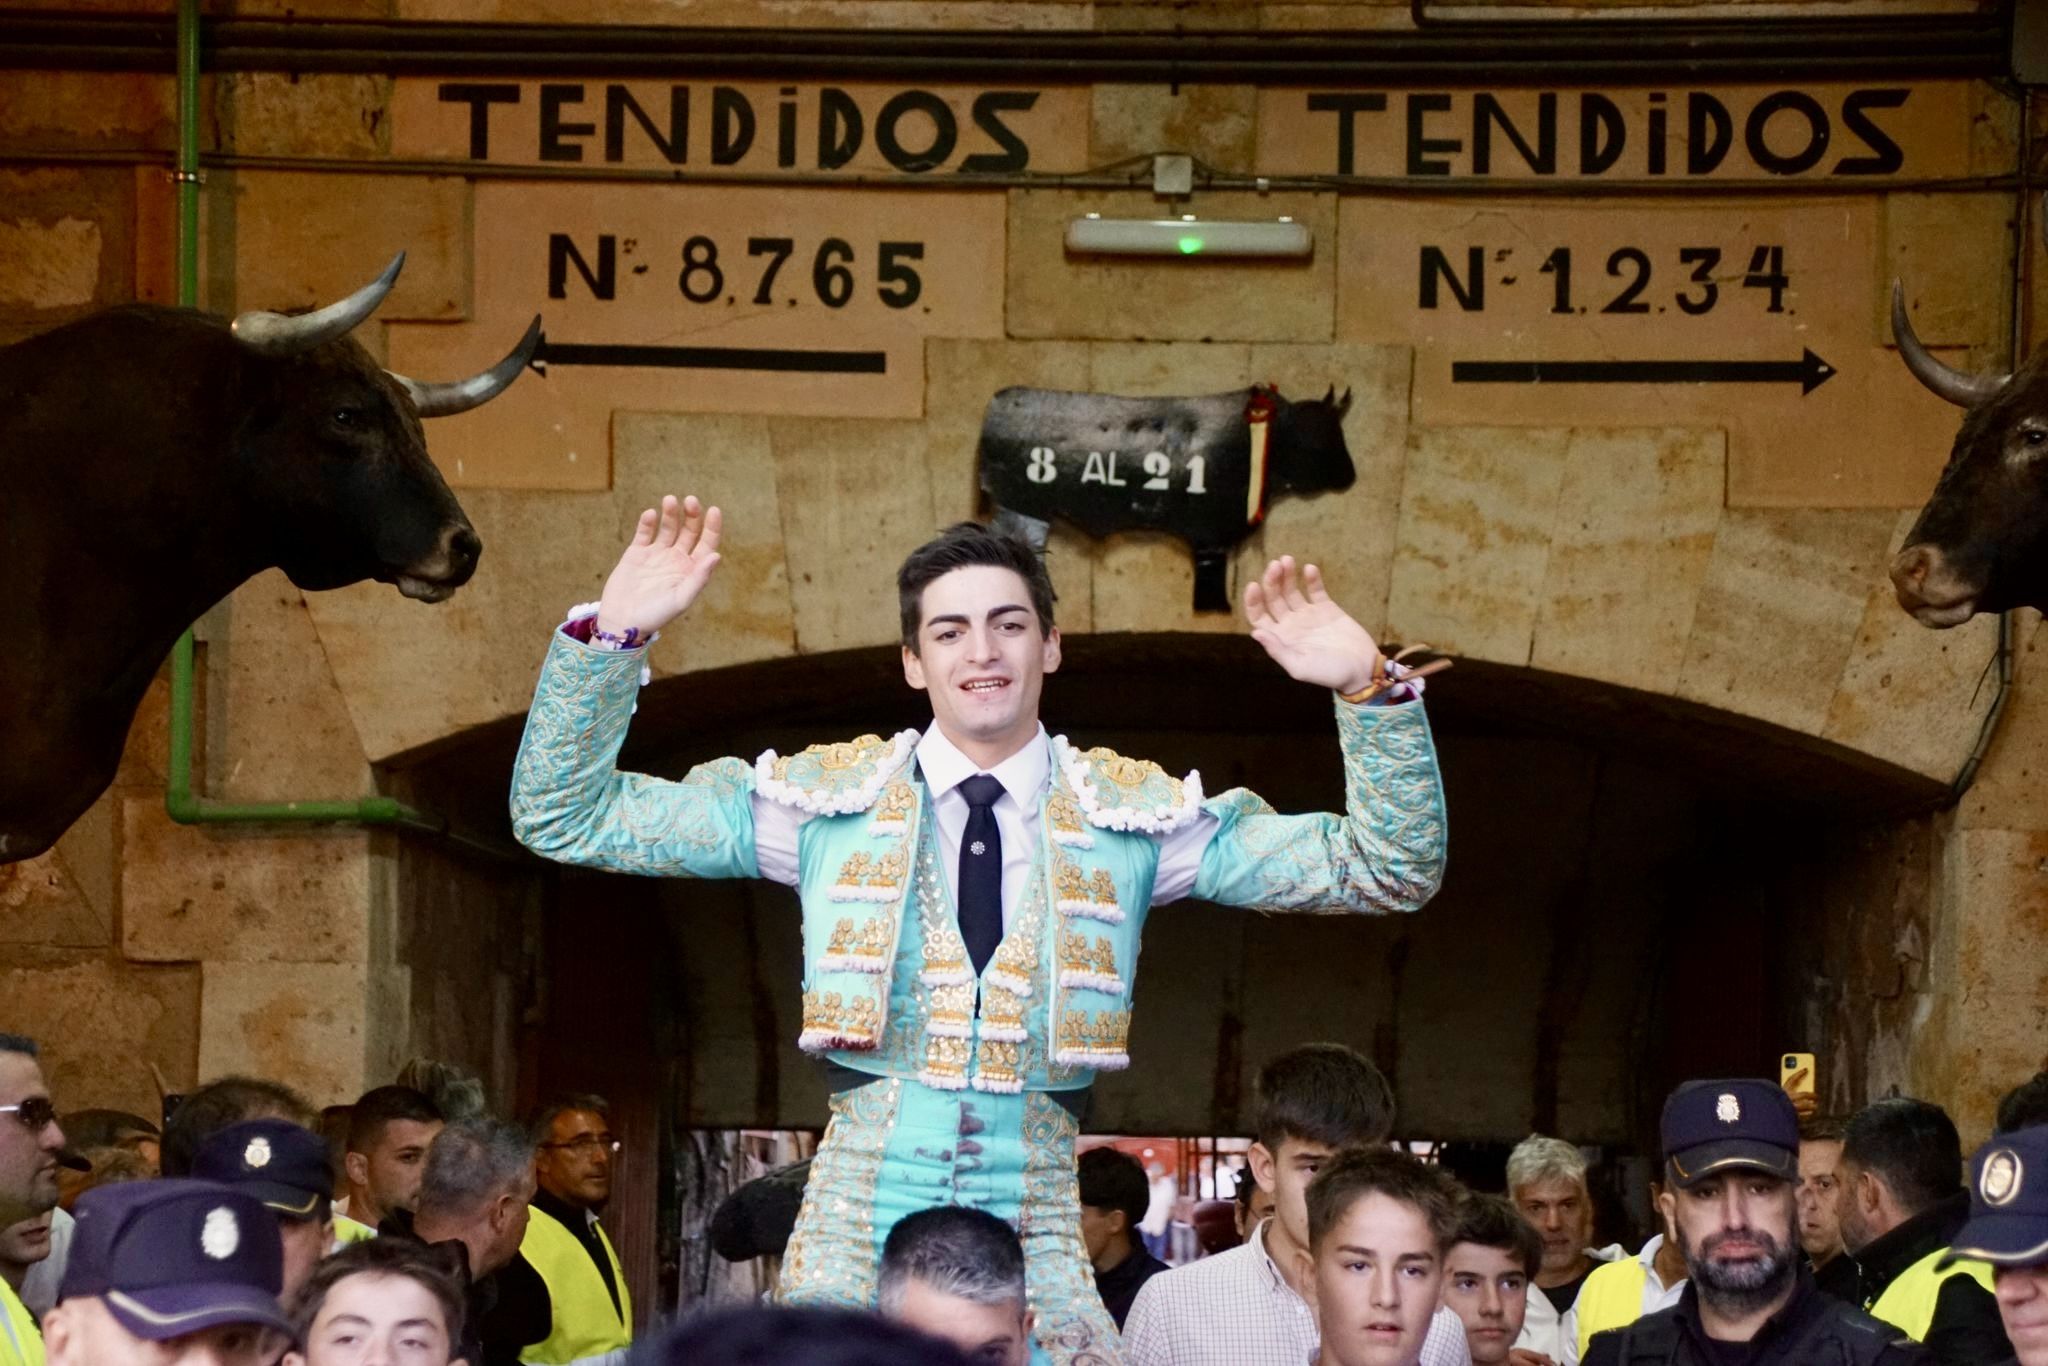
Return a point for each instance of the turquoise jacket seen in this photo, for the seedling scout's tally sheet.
(888, 987)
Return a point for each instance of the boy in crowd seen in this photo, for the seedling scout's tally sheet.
(1493, 1256)
(1378, 1226)
(383, 1300)
(1249, 1306)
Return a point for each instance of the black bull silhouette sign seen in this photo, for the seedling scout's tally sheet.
(1202, 469)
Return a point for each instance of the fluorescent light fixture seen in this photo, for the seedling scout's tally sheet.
(1188, 236)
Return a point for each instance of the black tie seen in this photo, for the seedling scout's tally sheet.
(980, 886)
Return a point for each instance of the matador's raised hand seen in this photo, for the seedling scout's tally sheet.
(666, 565)
(1308, 634)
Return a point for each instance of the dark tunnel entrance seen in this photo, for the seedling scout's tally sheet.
(1640, 890)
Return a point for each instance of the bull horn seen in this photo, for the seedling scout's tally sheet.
(1331, 395)
(288, 334)
(1344, 403)
(1963, 390)
(443, 400)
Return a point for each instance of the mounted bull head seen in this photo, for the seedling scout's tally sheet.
(156, 459)
(1981, 543)
(403, 513)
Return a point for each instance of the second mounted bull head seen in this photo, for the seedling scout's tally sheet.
(159, 457)
(1202, 469)
(1981, 542)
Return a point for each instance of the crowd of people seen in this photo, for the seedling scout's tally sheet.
(408, 1229)
(420, 1231)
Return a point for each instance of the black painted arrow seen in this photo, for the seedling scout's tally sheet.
(711, 358)
(1809, 372)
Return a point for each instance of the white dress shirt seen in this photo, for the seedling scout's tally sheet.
(1236, 1309)
(1024, 776)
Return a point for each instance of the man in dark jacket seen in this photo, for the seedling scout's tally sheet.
(1114, 1194)
(1902, 1202)
(1731, 1156)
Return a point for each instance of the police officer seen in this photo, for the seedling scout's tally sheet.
(284, 1166)
(2008, 1227)
(169, 1273)
(1731, 1155)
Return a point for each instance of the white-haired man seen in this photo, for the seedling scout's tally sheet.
(1547, 1183)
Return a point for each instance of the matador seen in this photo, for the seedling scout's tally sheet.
(972, 894)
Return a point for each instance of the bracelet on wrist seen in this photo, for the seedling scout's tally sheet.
(1398, 677)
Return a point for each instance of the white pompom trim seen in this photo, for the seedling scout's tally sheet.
(824, 803)
(1158, 821)
(1108, 913)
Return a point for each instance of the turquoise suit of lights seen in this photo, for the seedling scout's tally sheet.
(963, 1105)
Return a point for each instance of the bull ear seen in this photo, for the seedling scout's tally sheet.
(288, 334)
(443, 400)
(1963, 390)
(1344, 403)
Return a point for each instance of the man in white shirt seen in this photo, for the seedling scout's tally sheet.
(1547, 1183)
(1250, 1306)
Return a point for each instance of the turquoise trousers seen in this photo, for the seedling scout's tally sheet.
(895, 1147)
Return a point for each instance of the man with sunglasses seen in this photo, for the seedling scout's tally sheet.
(592, 1311)
(31, 1147)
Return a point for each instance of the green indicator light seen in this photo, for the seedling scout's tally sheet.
(1190, 245)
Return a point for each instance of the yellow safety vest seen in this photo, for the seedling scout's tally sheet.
(347, 1230)
(21, 1344)
(1907, 1304)
(1612, 1297)
(586, 1328)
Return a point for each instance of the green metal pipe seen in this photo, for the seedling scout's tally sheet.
(184, 807)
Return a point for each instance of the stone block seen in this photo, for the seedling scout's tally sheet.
(102, 1023)
(312, 1023)
(274, 113)
(1778, 611)
(1478, 505)
(304, 239)
(1954, 254)
(856, 497)
(1167, 369)
(42, 903)
(412, 673)
(1145, 581)
(1199, 16)
(241, 894)
(1910, 695)
(2011, 790)
(1212, 123)
(1334, 17)
(1993, 897)
(90, 850)
(315, 9)
(48, 265)
(67, 242)
(887, 14)
(747, 611)
(1350, 535)
(1052, 294)
(1636, 513)
(277, 727)
(87, 109)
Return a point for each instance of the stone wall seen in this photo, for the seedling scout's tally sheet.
(1613, 554)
